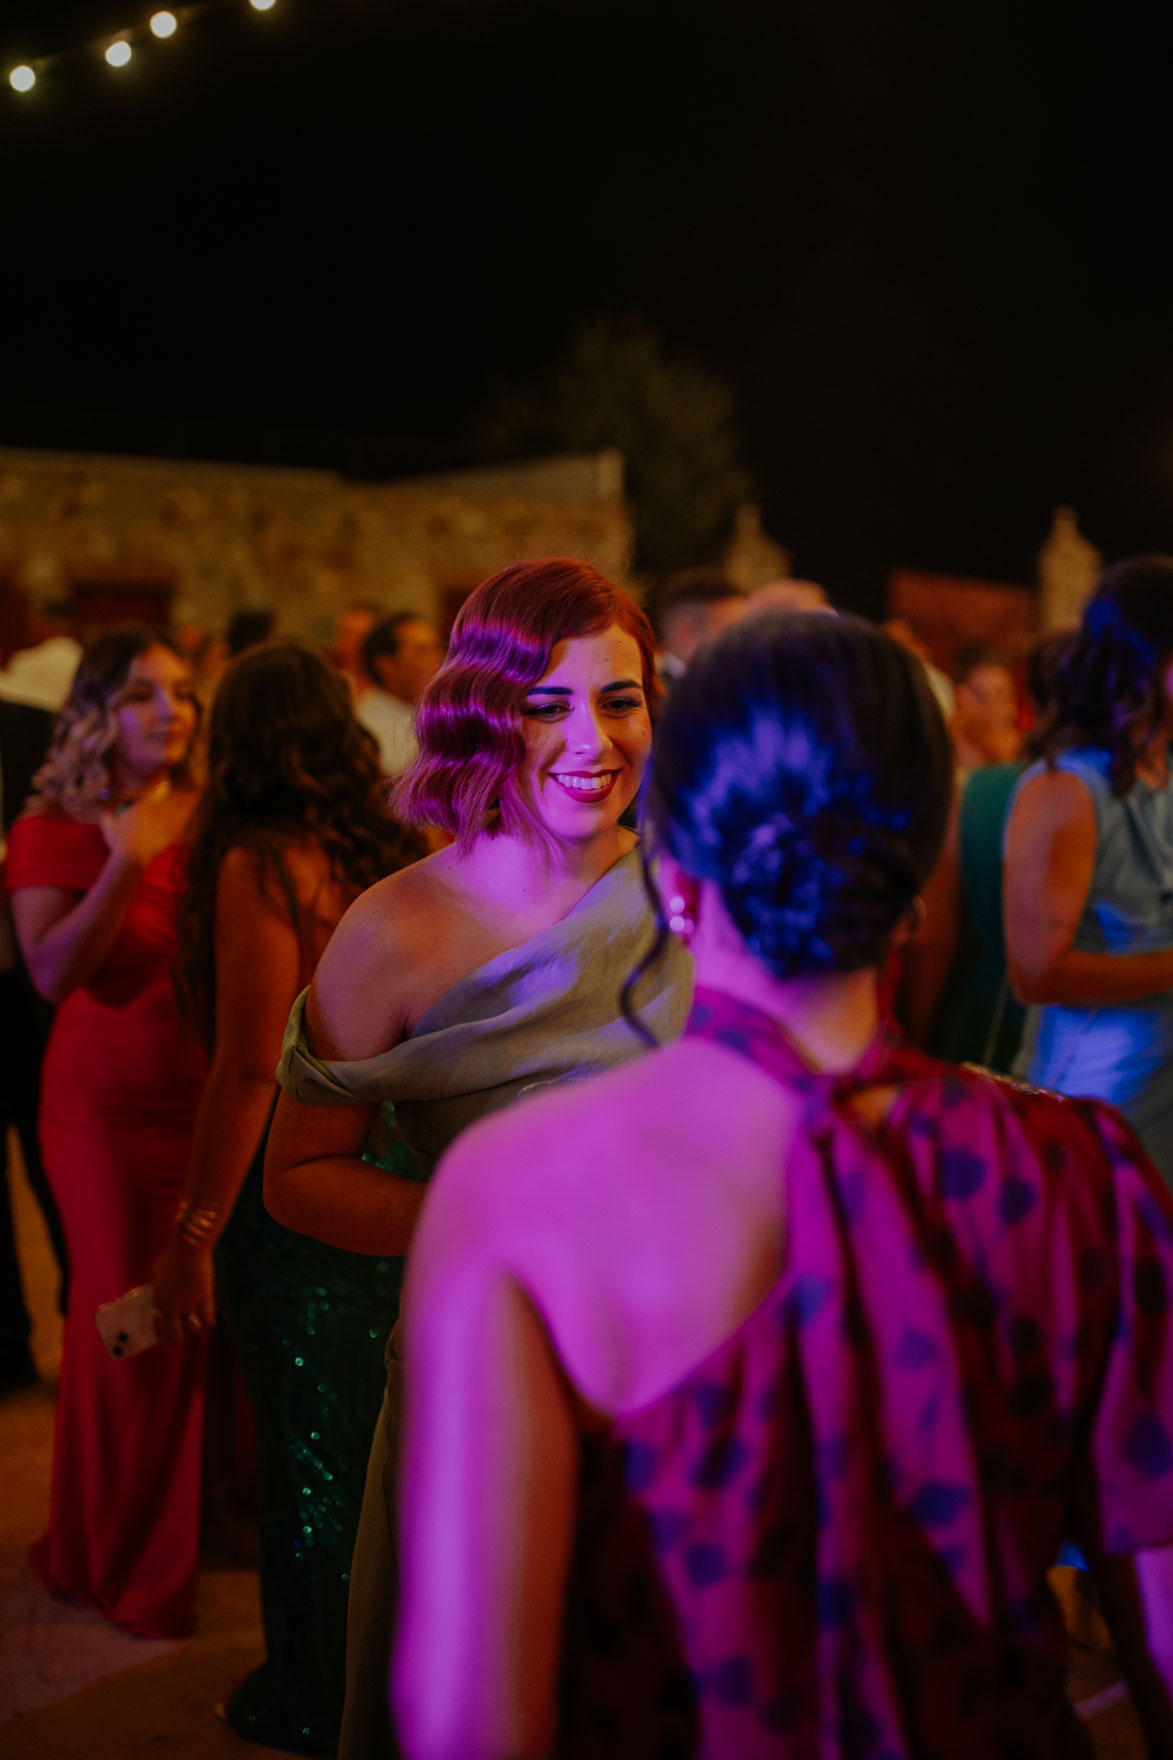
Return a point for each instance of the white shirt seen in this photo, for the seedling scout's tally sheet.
(393, 724)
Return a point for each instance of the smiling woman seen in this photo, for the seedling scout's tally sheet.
(492, 967)
(95, 870)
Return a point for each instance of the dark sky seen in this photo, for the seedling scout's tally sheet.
(928, 245)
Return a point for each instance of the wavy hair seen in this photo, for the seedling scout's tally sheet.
(803, 766)
(1107, 685)
(76, 775)
(469, 720)
(286, 759)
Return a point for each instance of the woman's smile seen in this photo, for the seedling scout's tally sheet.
(585, 785)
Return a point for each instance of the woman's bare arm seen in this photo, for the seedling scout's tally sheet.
(315, 1178)
(1050, 856)
(257, 976)
(65, 937)
(1136, 1594)
(487, 1511)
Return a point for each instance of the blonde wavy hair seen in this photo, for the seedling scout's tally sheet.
(76, 775)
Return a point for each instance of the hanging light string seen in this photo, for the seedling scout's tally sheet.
(119, 49)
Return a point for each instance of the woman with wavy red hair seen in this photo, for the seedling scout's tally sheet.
(493, 966)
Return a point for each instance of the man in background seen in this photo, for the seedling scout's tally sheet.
(401, 655)
(352, 626)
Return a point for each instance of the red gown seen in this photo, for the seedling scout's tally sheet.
(121, 1084)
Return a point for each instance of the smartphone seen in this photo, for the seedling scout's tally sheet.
(127, 1326)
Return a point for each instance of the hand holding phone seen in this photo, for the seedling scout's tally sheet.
(127, 1326)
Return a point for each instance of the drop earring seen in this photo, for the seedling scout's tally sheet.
(680, 919)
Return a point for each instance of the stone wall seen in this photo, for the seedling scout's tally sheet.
(211, 539)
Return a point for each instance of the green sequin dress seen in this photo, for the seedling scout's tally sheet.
(308, 1323)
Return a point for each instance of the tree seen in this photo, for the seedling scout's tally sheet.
(673, 422)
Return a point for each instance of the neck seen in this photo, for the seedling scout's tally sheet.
(831, 1019)
(127, 786)
(516, 869)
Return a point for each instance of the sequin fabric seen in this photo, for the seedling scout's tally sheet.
(830, 1539)
(309, 1324)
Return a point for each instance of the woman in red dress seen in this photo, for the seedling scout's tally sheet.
(95, 867)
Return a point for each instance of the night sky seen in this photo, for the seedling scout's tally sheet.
(928, 246)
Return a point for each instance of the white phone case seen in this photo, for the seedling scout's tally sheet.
(127, 1326)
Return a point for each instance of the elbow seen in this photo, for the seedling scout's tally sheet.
(273, 1189)
(1032, 985)
(277, 1194)
(48, 983)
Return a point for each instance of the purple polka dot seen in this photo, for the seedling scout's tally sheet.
(704, 1565)
(716, 1401)
(962, 1173)
(732, 1681)
(1147, 1447)
(937, 1504)
(807, 1298)
(1157, 1217)
(639, 1465)
(916, 1349)
(720, 1464)
(834, 1601)
(667, 1526)
(1016, 1199)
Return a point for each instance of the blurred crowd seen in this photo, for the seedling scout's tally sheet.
(655, 979)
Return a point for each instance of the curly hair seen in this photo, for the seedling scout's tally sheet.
(286, 759)
(1107, 684)
(76, 775)
(469, 721)
(803, 765)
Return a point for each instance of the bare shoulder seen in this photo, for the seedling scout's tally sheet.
(366, 983)
(1059, 796)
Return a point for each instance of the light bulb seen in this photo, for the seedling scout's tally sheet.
(164, 24)
(119, 53)
(262, 5)
(22, 79)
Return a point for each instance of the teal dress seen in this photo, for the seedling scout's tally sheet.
(980, 1020)
(308, 1324)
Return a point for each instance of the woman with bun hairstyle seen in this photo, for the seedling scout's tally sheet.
(750, 1393)
(492, 967)
(95, 871)
(291, 827)
(1089, 862)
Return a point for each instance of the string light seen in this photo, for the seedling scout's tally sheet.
(118, 51)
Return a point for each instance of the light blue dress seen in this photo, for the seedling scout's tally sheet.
(1121, 1052)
